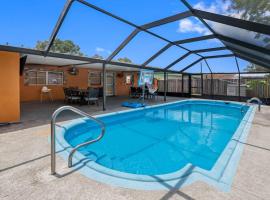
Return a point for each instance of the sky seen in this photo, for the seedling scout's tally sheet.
(23, 23)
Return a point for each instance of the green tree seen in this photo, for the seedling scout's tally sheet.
(124, 59)
(61, 46)
(96, 56)
(255, 68)
(253, 10)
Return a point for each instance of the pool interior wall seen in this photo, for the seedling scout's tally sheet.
(218, 175)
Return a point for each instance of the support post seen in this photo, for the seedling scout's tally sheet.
(201, 81)
(165, 86)
(189, 85)
(182, 84)
(104, 86)
(211, 88)
(239, 79)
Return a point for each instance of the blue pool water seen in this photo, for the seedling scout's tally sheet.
(160, 140)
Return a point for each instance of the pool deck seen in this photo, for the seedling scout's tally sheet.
(25, 163)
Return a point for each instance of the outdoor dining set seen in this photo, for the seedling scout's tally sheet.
(82, 96)
(148, 93)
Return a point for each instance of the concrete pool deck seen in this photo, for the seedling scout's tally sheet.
(25, 165)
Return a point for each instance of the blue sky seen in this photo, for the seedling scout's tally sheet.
(25, 22)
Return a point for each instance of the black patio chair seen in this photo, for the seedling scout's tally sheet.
(139, 92)
(133, 92)
(73, 95)
(92, 96)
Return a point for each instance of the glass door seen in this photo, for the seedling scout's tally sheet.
(110, 84)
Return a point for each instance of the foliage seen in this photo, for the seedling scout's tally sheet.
(253, 10)
(125, 60)
(252, 84)
(255, 68)
(96, 56)
(61, 46)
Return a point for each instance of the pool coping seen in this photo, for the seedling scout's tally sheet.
(185, 176)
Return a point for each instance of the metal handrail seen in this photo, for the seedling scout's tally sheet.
(53, 119)
(259, 102)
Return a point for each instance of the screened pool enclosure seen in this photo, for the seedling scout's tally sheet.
(195, 50)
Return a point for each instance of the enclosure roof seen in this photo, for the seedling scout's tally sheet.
(35, 60)
(161, 49)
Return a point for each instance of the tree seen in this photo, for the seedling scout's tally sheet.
(96, 56)
(61, 46)
(255, 68)
(125, 60)
(253, 10)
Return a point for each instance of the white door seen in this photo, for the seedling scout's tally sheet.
(110, 84)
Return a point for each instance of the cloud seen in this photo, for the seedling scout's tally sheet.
(102, 50)
(188, 26)
(211, 8)
(220, 7)
(99, 49)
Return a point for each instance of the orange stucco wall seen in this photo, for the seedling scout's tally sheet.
(122, 89)
(9, 87)
(32, 92)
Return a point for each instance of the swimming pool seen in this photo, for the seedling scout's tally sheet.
(164, 146)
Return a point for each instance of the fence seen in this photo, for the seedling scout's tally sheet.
(249, 87)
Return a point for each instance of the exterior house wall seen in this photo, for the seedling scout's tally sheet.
(32, 92)
(122, 89)
(9, 87)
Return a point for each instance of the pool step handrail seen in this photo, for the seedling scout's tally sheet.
(259, 102)
(53, 119)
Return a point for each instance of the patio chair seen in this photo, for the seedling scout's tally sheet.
(153, 92)
(67, 94)
(73, 95)
(133, 92)
(45, 91)
(92, 96)
(139, 92)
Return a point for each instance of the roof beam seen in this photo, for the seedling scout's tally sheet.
(177, 60)
(208, 57)
(123, 44)
(252, 58)
(200, 18)
(129, 23)
(250, 55)
(195, 39)
(190, 65)
(73, 57)
(167, 20)
(157, 54)
(219, 56)
(243, 44)
(58, 25)
(232, 21)
(210, 49)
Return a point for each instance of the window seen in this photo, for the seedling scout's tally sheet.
(35, 77)
(129, 79)
(54, 78)
(94, 78)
